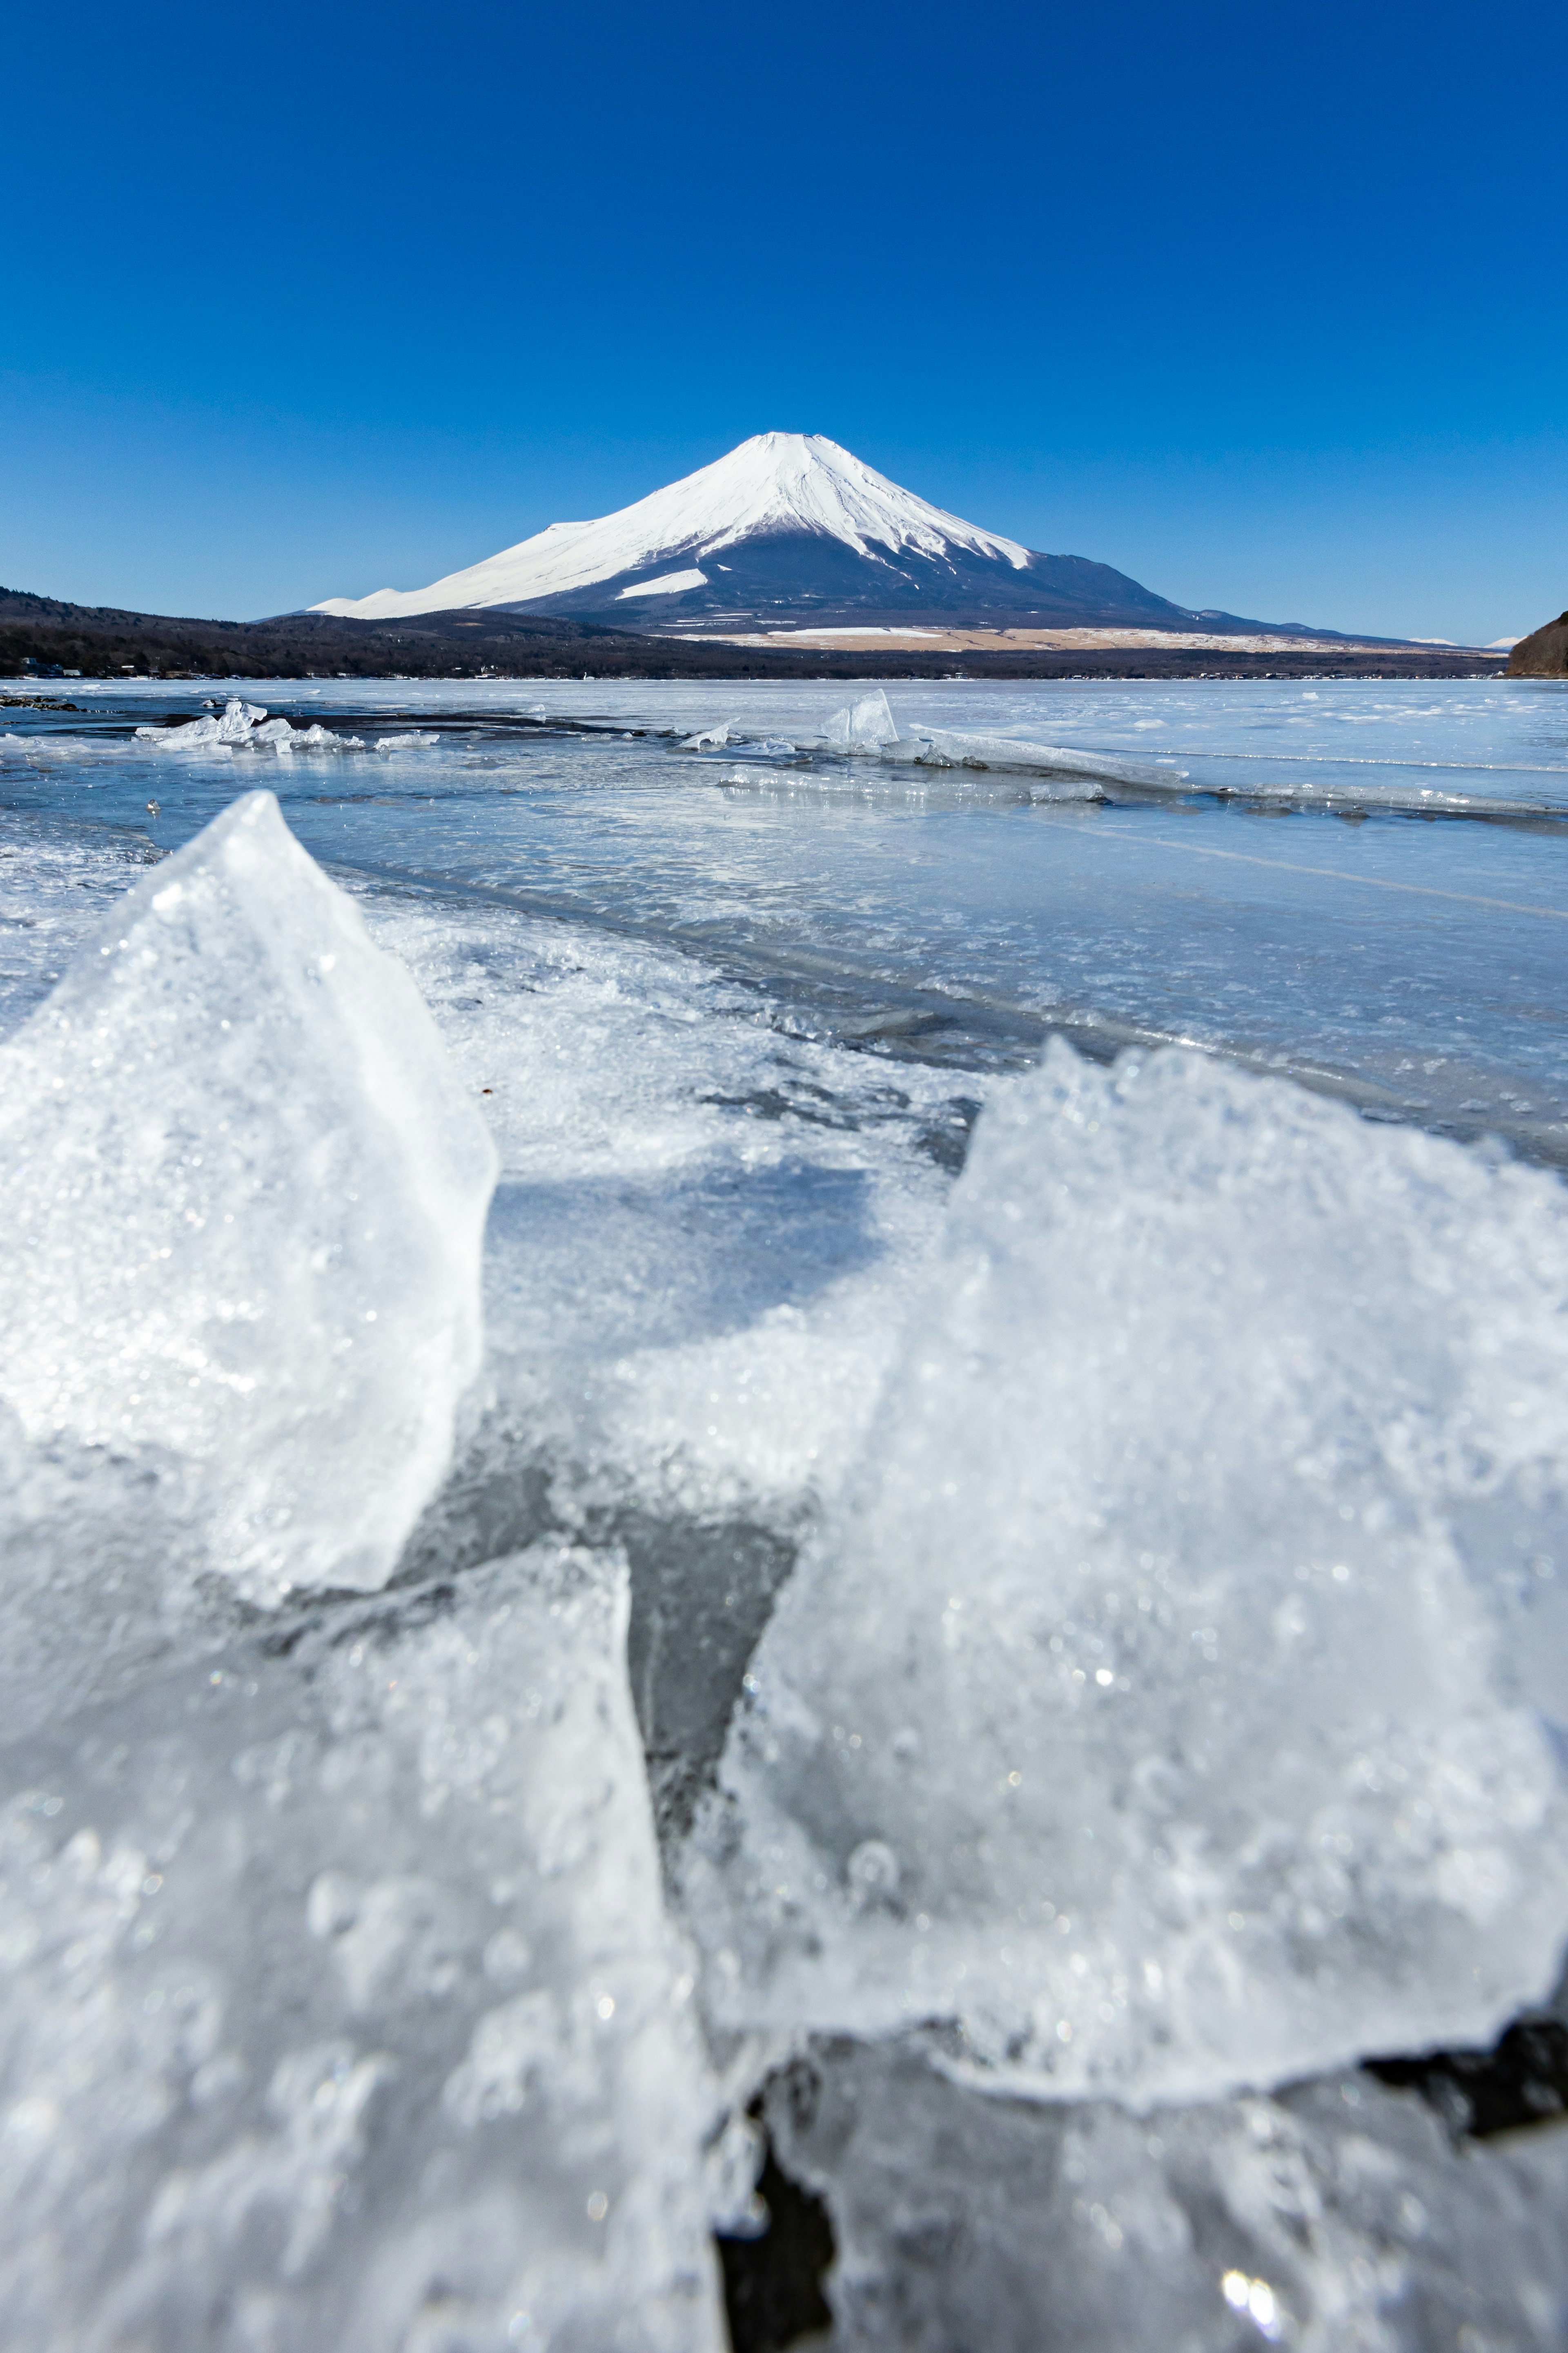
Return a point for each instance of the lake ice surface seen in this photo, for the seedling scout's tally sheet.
(319, 1896)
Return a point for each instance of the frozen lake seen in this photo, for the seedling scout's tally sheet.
(991, 1611)
(1416, 967)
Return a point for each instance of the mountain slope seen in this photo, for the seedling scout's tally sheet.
(1545, 653)
(787, 526)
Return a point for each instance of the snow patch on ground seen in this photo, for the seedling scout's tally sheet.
(670, 585)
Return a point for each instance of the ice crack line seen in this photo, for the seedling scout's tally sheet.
(1371, 882)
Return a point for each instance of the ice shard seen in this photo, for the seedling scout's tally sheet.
(341, 2008)
(1151, 1722)
(238, 724)
(864, 725)
(1336, 2215)
(246, 1197)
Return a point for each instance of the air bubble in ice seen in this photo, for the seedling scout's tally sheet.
(872, 1873)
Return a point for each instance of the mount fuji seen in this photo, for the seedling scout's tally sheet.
(788, 527)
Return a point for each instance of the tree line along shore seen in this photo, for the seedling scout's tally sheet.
(44, 638)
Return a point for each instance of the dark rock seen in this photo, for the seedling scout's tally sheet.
(1522, 2080)
(773, 2283)
(1545, 654)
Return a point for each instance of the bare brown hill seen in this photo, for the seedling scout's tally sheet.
(1545, 653)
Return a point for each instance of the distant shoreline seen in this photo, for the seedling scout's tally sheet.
(44, 641)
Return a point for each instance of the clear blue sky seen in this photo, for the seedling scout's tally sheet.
(1265, 306)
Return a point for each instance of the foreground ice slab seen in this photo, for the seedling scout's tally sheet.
(1146, 1716)
(340, 2008)
(1335, 2219)
(246, 1200)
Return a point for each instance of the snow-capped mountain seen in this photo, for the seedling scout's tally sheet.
(786, 525)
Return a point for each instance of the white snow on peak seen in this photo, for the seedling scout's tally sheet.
(774, 482)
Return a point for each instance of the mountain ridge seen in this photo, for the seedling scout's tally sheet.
(793, 525)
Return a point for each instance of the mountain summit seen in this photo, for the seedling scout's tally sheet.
(787, 526)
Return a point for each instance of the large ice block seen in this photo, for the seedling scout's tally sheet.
(1144, 1721)
(246, 1199)
(341, 2009)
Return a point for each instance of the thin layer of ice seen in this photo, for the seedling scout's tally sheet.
(922, 784)
(247, 1199)
(56, 883)
(868, 726)
(1143, 1715)
(1337, 2218)
(943, 747)
(341, 2008)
